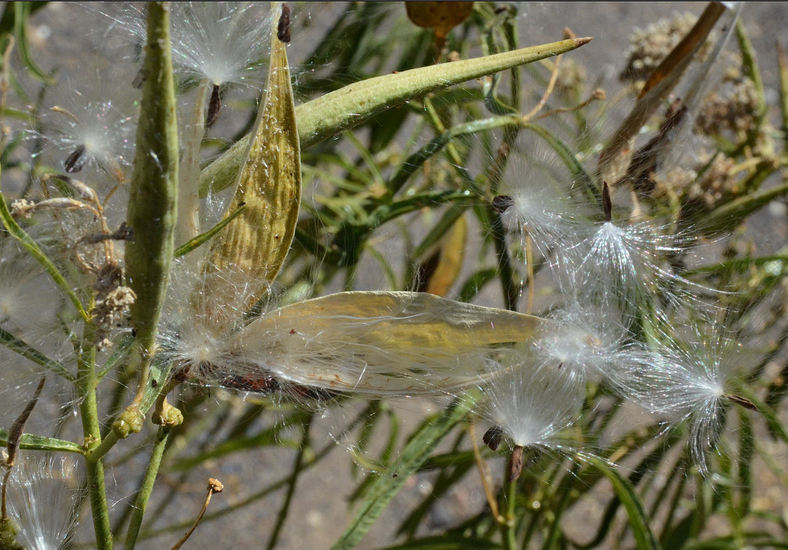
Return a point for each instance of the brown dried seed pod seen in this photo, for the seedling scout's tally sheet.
(283, 28)
(214, 106)
(516, 463)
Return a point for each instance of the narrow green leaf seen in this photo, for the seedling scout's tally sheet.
(733, 213)
(25, 350)
(778, 263)
(202, 238)
(32, 247)
(678, 536)
(746, 451)
(475, 283)
(40, 443)
(776, 427)
(625, 491)
(22, 12)
(751, 70)
(120, 351)
(756, 540)
(266, 437)
(371, 418)
(445, 482)
(350, 106)
(146, 486)
(447, 221)
(412, 164)
(388, 212)
(7, 19)
(390, 482)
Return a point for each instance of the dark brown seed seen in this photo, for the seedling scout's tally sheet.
(214, 106)
(492, 437)
(516, 463)
(76, 160)
(283, 29)
(502, 203)
(742, 401)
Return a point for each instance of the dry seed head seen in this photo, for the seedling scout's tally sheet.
(734, 109)
(92, 127)
(582, 339)
(220, 41)
(681, 382)
(649, 46)
(718, 183)
(532, 401)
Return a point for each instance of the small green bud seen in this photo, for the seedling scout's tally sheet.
(167, 415)
(129, 422)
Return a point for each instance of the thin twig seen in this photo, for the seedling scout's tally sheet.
(548, 91)
(596, 95)
(297, 469)
(214, 486)
(484, 474)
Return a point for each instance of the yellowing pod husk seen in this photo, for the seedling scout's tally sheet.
(379, 343)
(254, 245)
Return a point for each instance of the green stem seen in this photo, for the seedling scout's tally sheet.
(88, 408)
(106, 444)
(146, 487)
(509, 528)
(506, 272)
(291, 485)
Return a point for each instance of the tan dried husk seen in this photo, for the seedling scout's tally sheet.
(254, 245)
(381, 343)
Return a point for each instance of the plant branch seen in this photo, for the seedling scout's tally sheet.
(146, 487)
